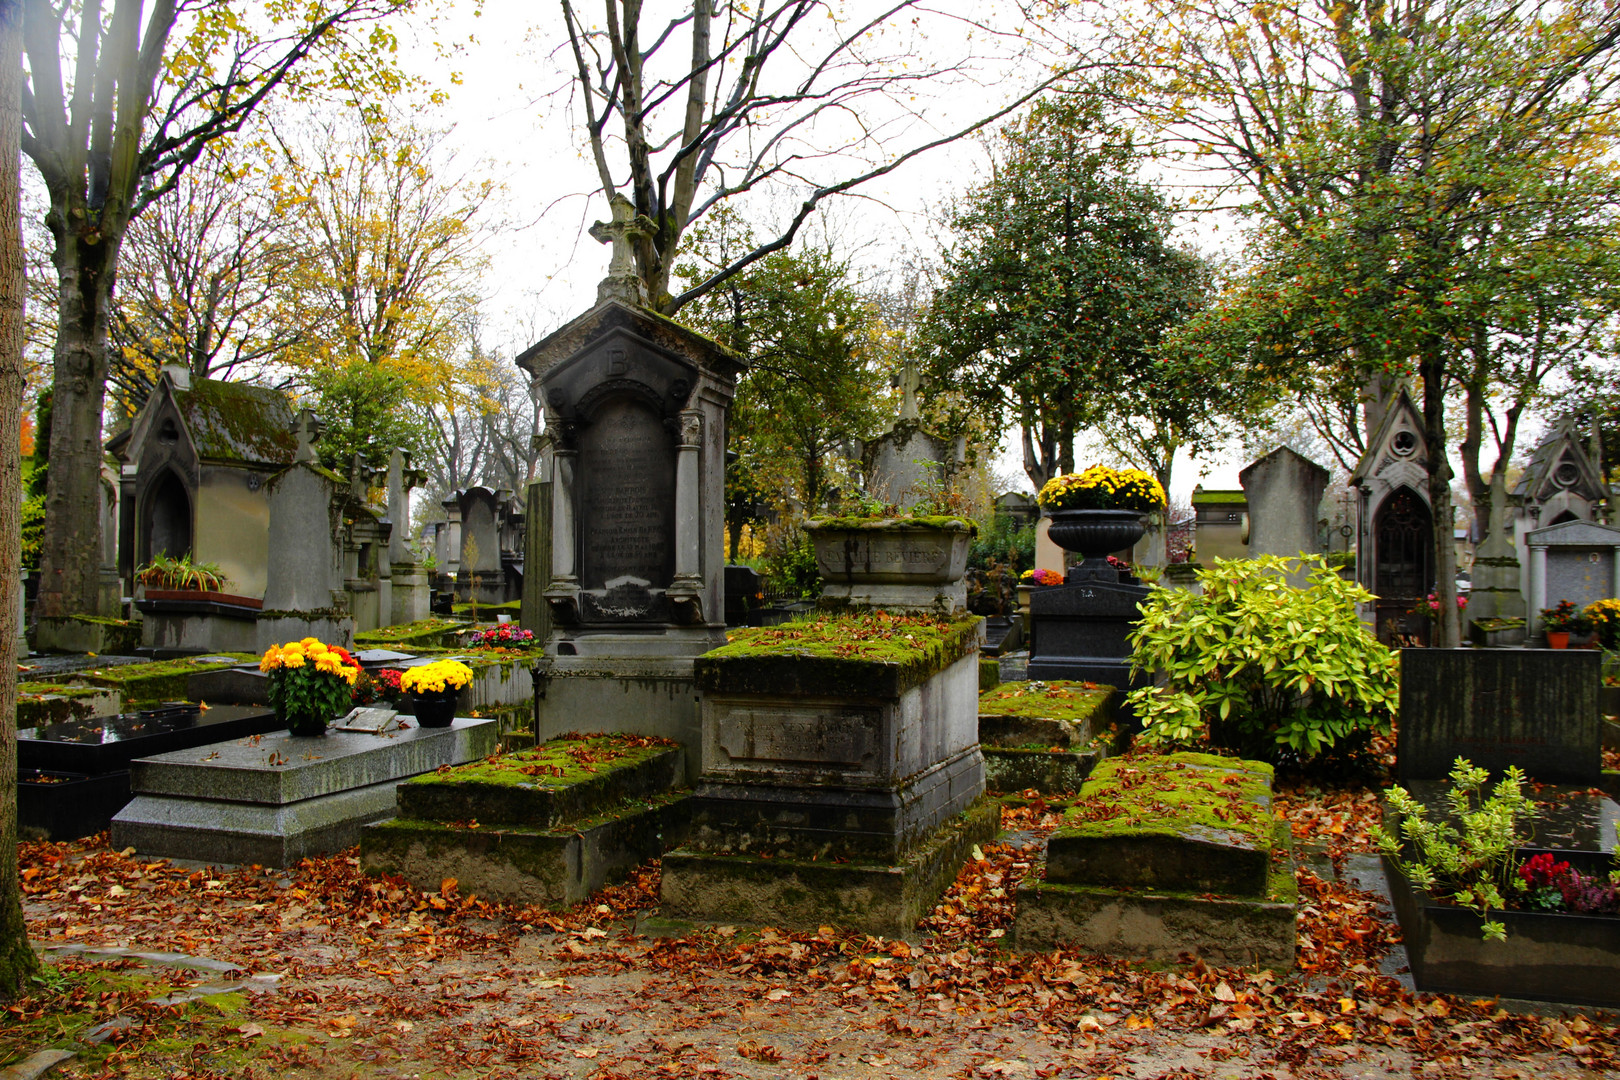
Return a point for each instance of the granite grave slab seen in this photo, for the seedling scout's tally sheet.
(276, 799)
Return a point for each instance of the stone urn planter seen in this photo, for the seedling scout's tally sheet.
(433, 709)
(899, 564)
(1096, 534)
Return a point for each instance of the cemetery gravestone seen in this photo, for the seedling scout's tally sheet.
(1284, 489)
(636, 407)
(1533, 708)
(1573, 560)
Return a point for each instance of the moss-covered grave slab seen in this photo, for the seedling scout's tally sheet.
(870, 655)
(42, 704)
(87, 633)
(552, 783)
(1046, 736)
(1164, 926)
(424, 633)
(1184, 822)
(549, 825)
(164, 680)
(879, 898)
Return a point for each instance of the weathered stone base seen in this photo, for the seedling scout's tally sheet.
(79, 633)
(874, 898)
(936, 599)
(191, 633)
(563, 865)
(1049, 772)
(1161, 927)
(638, 695)
(275, 799)
(274, 629)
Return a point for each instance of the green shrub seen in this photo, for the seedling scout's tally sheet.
(790, 565)
(1473, 864)
(1263, 669)
(1002, 542)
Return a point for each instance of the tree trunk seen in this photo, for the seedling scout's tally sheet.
(17, 961)
(69, 581)
(1448, 627)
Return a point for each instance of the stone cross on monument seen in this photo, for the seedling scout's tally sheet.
(910, 383)
(308, 428)
(622, 282)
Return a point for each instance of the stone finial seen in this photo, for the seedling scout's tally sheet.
(308, 428)
(622, 282)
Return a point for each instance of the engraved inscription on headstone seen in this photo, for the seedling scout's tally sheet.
(627, 504)
(799, 736)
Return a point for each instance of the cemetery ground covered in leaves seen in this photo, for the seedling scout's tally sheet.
(324, 972)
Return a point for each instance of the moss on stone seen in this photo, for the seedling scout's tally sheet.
(235, 421)
(554, 765)
(947, 522)
(1060, 699)
(421, 632)
(871, 654)
(510, 606)
(163, 680)
(1172, 795)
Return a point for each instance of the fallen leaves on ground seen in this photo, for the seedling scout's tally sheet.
(379, 978)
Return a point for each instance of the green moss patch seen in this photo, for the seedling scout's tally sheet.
(1060, 699)
(423, 632)
(871, 654)
(511, 606)
(164, 680)
(1175, 793)
(947, 522)
(555, 764)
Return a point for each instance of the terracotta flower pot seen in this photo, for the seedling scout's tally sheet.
(1557, 639)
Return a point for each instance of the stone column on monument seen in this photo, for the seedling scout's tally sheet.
(688, 580)
(452, 533)
(1538, 584)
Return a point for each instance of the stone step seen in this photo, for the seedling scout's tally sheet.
(549, 785)
(548, 866)
(1191, 823)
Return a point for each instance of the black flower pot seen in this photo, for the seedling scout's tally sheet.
(1096, 534)
(307, 725)
(433, 708)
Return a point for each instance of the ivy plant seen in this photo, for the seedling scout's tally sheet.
(1259, 667)
(1473, 861)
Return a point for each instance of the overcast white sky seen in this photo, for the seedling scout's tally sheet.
(511, 121)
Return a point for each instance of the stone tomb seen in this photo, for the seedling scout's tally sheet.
(1166, 856)
(276, 799)
(1534, 708)
(75, 773)
(1045, 735)
(832, 790)
(635, 407)
(1081, 628)
(555, 823)
(1572, 560)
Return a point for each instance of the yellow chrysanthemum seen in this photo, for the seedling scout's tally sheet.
(292, 659)
(310, 641)
(271, 660)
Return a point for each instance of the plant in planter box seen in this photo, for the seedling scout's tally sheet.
(164, 572)
(310, 683)
(1268, 671)
(1473, 862)
(1103, 488)
(1040, 577)
(504, 636)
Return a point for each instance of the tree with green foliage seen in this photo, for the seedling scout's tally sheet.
(1058, 290)
(1260, 668)
(1432, 187)
(18, 963)
(120, 98)
(811, 389)
(367, 411)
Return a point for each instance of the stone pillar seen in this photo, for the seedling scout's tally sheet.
(451, 530)
(688, 581)
(1538, 584)
(1048, 556)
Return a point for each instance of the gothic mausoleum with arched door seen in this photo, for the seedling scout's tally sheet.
(1395, 534)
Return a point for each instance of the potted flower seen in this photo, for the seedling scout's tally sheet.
(180, 573)
(433, 690)
(310, 683)
(1603, 617)
(1099, 511)
(1561, 621)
